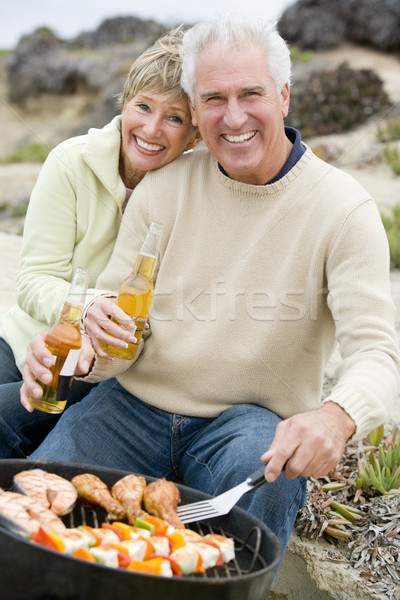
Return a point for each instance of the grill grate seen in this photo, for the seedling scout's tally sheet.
(50, 575)
(248, 558)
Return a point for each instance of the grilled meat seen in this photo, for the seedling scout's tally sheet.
(129, 492)
(51, 490)
(91, 488)
(24, 515)
(161, 498)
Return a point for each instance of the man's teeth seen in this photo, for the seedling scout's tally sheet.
(146, 146)
(236, 139)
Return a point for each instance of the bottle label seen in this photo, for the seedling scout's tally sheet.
(70, 363)
(65, 376)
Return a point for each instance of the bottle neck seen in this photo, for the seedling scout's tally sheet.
(71, 313)
(77, 291)
(145, 266)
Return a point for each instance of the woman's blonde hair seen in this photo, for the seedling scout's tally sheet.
(157, 69)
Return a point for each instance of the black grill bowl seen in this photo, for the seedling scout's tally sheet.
(30, 572)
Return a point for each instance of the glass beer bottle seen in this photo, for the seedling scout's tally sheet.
(136, 293)
(64, 342)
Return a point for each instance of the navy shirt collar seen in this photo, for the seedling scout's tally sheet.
(296, 153)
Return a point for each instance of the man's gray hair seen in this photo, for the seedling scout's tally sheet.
(232, 31)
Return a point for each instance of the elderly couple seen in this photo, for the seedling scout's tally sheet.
(272, 256)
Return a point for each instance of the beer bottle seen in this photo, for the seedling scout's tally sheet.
(136, 293)
(64, 342)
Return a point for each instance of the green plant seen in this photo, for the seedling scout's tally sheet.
(392, 156)
(380, 473)
(19, 210)
(392, 227)
(376, 436)
(298, 55)
(389, 132)
(32, 152)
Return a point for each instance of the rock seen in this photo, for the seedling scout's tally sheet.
(318, 24)
(327, 101)
(119, 30)
(310, 25)
(57, 70)
(43, 63)
(308, 573)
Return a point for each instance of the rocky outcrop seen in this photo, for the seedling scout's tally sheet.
(44, 63)
(326, 101)
(318, 24)
(119, 30)
(96, 63)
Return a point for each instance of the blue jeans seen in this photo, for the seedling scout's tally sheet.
(20, 431)
(112, 428)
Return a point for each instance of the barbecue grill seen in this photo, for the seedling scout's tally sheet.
(31, 572)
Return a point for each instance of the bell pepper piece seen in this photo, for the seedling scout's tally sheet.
(149, 547)
(84, 554)
(176, 570)
(44, 538)
(177, 540)
(116, 530)
(152, 567)
(125, 528)
(160, 526)
(199, 567)
(144, 525)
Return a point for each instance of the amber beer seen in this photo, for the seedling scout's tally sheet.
(136, 293)
(64, 342)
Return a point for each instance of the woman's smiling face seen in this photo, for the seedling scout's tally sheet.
(155, 129)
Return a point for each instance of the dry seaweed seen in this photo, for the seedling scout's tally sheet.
(364, 530)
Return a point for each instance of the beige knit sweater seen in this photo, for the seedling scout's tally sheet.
(254, 283)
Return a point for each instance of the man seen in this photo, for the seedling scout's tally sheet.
(268, 253)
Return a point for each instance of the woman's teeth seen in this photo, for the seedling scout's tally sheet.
(150, 147)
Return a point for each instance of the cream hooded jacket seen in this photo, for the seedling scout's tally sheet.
(72, 221)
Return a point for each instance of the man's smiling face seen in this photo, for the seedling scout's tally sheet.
(239, 112)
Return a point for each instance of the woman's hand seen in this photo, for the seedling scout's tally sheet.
(37, 367)
(99, 326)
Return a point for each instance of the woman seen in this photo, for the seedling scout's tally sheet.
(74, 215)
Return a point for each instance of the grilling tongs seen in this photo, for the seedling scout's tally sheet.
(222, 504)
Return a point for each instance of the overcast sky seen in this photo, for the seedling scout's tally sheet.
(67, 18)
